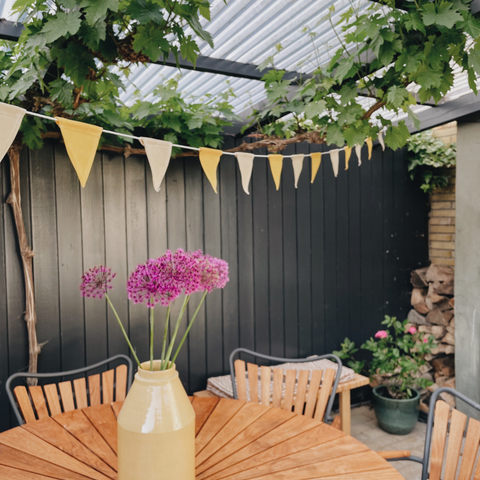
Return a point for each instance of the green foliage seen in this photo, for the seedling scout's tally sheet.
(397, 356)
(414, 48)
(429, 160)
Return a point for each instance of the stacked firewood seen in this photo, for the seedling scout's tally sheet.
(433, 314)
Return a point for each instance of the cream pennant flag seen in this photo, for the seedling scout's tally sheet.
(334, 157)
(158, 154)
(358, 151)
(348, 154)
(10, 120)
(369, 143)
(210, 158)
(276, 165)
(381, 140)
(316, 160)
(81, 141)
(297, 162)
(245, 164)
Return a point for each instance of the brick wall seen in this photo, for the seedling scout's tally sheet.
(442, 214)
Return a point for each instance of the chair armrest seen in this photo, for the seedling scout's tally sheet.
(394, 454)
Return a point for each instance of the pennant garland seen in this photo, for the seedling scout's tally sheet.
(245, 164)
(158, 154)
(348, 153)
(297, 162)
(10, 120)
(81, 141)
(209, 159)
(276, 165)
(316, 160)
(334, 157)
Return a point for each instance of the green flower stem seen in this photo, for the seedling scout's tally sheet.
(174, 336)
(151, 339)
(189, 327)
(165, 333)
(123, 330)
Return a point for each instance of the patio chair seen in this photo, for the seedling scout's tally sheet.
(34, 403)
(284, 395)
(434, 461)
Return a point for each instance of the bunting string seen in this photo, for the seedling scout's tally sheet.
(82, 139)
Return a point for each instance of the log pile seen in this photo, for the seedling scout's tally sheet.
(433, 314)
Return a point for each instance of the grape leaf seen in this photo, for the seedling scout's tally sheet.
(96, 10)
(396, 137)
(151, 41)
(443, 14)
(144, 11)
(397, 95)
(61, 25)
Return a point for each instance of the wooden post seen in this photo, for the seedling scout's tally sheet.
(14, 199)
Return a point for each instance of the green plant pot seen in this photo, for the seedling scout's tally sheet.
(395, 416)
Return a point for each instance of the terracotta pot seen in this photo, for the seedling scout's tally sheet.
(156, 428)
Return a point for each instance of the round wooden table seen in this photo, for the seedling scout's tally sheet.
(235, 440)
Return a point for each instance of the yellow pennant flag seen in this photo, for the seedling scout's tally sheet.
(316, 160)
(245, 164)
(10, 120)
(348, 154)
(209, 159)
(276, 165)
(297, 163)
(369, 143)
(81, 141)
(158, 154)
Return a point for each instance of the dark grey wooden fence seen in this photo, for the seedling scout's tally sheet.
(308, 267)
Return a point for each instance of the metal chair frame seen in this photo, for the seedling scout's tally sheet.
(428, 437)
(292, 360)
(11, 397)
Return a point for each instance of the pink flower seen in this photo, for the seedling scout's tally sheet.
(213, 271)
(381, 334)
(425, 340)
(97, 281)
(412, 330)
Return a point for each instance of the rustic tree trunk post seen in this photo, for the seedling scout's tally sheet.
(14, 199)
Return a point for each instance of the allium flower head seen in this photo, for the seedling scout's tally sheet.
(213, 271)
(97, 281)
(163, 279)
(381, 334)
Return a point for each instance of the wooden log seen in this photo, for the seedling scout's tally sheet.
(418, 295)
(448, 338)
(440, 279)
(422, 308)
(452, 322)
(437, 317)
(451, 330)
(443, 348)
(416, 318)
(450, 383)
(445, 365)
(452, 302)
(419, 278)
(438, 298)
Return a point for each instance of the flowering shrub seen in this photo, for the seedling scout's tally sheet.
(162, 280)
(397, 355)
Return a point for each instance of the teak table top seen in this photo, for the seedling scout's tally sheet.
(235, 440)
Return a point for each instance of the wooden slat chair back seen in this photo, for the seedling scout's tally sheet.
(291, 388)
(309, 399)
(447, 431)
(37, 402)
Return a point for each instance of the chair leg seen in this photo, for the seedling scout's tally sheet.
(337, 422)
(345, 411)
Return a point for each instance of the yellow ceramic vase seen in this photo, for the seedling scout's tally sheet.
(156, 428)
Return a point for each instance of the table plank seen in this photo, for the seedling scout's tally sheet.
(82, 429)
(103, 419)
(117, 406)
(50, 431)
(22, 440)
(7, 473)
(11, 457)
(203, 409)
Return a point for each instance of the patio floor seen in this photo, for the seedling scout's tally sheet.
(365, 428)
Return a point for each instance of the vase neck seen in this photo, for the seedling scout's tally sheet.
(156, 374)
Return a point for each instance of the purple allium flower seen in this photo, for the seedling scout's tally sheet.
(97, 281)
(163, 279)
(213, 271)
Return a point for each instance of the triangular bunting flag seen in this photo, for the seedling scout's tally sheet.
(334, 157)
(81, 141)
(158, 154)
(10, 120)
(381, 140)
(276, 165)
(316, 160)
(297, 162)
(348, 154)
(358, 151)
(369, 143)
(210, 158)
(245, 164)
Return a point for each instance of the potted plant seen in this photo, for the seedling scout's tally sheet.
(156, 425)
(398, 352)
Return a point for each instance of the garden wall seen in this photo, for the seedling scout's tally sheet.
(307, 267)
